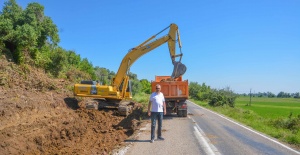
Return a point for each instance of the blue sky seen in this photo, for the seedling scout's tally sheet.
(249, 44)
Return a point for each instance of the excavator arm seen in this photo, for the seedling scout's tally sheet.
(147, 46)
(117, 94)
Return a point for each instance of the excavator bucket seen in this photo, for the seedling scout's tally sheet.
(179, 69)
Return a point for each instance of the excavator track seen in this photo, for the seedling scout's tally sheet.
(123, 107)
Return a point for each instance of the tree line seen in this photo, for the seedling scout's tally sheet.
(225, 96)
(214, 97)
(272, 95)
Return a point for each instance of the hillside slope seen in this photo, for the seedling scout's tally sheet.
(38, 115)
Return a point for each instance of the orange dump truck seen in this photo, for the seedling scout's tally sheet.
(176, 93)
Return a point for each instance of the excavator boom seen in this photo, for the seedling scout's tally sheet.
(149, 45)
(117, 94)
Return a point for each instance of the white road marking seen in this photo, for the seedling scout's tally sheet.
(204, 142)
(249, 129)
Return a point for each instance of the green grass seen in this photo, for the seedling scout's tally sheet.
(277, 117)
(141, 98)
(270, 107)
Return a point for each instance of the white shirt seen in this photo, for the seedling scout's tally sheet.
(157, 101)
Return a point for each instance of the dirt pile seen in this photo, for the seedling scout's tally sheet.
(38, 115)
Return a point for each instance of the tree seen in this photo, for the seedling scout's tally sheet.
(11, 16)
(214, 97)
(146, 86)
(199, 92)
(45, 29)
(24, 32)
(283, 95)
(87, 67)
(297, 95)
(102, 75)
(222, 97)
(73, 58)
(194, 89)
(28, 36)
(204, 93)
(136, 86)
(13, 12)
(58, 60)
(270, 95)
(132, 76)
(25, 36)
(111, 75)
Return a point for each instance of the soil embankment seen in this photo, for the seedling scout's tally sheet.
(38, 115)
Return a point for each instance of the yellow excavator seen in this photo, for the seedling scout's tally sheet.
(118, 94)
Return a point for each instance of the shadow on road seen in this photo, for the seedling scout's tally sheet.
(166, 117)
(171, 116)
(137, 140)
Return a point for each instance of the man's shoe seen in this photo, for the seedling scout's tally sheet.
(151, 141)
(160, 138)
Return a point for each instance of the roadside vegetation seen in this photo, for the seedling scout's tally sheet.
(277, 116)
(30, 39)
(214, 97)
(143, 99)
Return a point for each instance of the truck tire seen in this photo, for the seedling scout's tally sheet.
(179, 113)
(184, 113)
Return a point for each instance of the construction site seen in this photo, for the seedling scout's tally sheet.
(38, 115)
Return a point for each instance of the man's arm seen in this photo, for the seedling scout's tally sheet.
(165, 109)
(149, 105)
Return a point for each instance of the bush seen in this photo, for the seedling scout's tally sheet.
(214, 97)
(194, 89)
(222, 97)
(142, 98)
(291, 123)
(204, 96)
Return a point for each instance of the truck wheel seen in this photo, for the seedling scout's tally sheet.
(179, 113)
(184, 113)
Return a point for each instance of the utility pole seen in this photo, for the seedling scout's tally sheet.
(250, 98)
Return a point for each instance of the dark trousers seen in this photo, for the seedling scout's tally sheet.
(159, 117)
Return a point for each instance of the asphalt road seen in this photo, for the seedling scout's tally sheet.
(205, 132)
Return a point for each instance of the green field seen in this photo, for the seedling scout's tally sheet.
(270, 107)
(277, 117)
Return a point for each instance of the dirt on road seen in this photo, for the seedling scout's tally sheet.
(39, 115)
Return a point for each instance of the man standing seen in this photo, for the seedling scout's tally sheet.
(158, 104)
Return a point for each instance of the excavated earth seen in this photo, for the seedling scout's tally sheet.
(39, 115)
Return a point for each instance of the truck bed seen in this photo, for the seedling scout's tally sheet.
(176, 92)
(173, 89)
